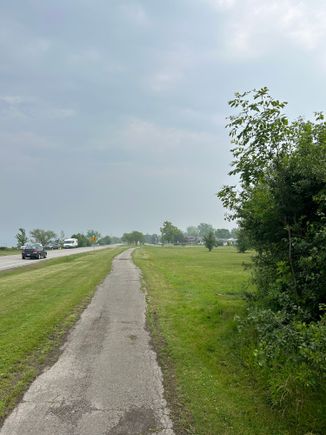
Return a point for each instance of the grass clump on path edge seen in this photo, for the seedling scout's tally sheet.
(193, 296)
(39, 304)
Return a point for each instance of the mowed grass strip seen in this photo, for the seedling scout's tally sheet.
(193, 296)
(9, 251)
(38, 305)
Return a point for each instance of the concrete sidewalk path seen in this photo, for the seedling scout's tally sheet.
(107, 380)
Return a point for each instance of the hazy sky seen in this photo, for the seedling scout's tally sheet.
(112, 112)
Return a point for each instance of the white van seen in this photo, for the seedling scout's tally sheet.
(70, 243)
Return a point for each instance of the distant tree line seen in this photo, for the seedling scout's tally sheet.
(38, 236)
(169, 233)
(203, 233)
(133, 238)
(48, 237)
(203, 229)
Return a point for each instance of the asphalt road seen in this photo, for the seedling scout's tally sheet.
(107, 380)
(12, 261)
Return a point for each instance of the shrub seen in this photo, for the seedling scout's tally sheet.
(281, 210)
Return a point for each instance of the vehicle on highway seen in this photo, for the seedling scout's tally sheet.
(53, 245)
(33, 250)
(70, 243)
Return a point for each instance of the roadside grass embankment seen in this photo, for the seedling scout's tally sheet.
(193, 296)
(38, 306)
(9, 251)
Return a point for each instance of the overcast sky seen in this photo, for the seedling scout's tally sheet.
(112, 112)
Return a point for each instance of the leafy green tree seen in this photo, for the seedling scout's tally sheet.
(192, 231)
(281, 202)
(106, 240)
(280, 206)
(179, 237)
(155, 239)
(222, 233)
(152, 239)
(171, 234)
(210, 240)
(204, 229)
(42, 236)
(243, 243)
(135, 237)
(127, 238)
(83, 240)
(21, 237)
(234, 233)
(167, 232)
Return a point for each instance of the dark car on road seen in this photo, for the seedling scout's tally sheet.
(33, 250)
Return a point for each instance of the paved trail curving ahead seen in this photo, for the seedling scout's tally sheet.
(107, 380)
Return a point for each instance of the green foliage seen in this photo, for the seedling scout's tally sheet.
(204, 229)
(243, 242)
(290, 359)
(192, 231)
(42, 236)
(21, 237)
(83, 240)
(115, 239)
(171, 234)
(234, 233)
(152, 239)
(222, 233)
(93, 236)
(106, 240)
(135, 237)
(281, 211)
(209, 240)
(4, 250)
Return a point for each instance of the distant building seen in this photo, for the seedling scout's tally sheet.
(227, 242)
(192, 240)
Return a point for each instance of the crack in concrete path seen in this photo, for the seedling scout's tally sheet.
(107, 380)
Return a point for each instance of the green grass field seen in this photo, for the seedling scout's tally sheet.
(38, 306)
(193, 296)
(9, 251)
